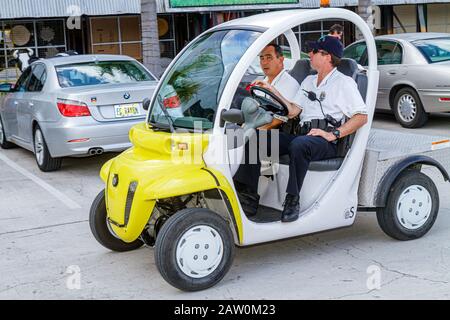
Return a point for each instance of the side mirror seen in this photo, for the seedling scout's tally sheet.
(6, 87)
(146, 104)
(233, 116)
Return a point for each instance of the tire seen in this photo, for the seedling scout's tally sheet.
(102, 233)
(42, 155)
(4, 144)
(177, 241)
(412, 207)
(408, 109)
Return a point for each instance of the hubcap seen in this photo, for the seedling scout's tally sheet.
(39, 146)
(407, 108)
(199, 251)
(414, 207)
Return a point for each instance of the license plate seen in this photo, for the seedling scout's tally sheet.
(127, 110)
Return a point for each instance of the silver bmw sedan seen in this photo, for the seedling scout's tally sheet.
(74, 106)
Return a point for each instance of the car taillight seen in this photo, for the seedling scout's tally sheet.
(70, 108)
(172, 102)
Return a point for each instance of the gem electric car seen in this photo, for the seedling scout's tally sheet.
(174, 188)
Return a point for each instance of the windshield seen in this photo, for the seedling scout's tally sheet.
(101, 72)
(434, 50)
(191, 91)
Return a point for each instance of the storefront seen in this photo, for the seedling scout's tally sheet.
(183, 20)
(44, 28)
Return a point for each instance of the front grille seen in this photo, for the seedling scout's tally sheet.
(130, 196)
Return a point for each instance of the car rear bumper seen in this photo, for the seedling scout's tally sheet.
(432, 103)
(70, 139)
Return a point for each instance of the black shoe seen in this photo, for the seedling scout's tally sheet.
(249, 202)
(291, 209)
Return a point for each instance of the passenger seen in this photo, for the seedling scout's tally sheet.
(339, 97)
(336, 31)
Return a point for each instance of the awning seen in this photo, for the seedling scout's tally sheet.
(15, 9)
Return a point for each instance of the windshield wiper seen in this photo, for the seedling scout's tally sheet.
(166, 114)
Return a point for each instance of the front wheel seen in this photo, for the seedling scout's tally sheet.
(100, 228)
(412, 207)
(194, 249)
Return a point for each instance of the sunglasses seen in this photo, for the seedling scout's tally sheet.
(322, 52)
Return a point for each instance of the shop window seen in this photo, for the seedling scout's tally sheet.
(104, 30)
(50, 33)
(314, 30)
(45, 37)
(405, 19)
(130, 28)
(19, 34)
(117, 35)
(438, 17)
(166, 36)
(132, 50)
(50, 52)
(107, 49)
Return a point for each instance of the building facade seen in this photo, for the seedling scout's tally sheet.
(154, 31)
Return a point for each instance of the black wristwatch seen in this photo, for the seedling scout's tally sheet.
(336, 133)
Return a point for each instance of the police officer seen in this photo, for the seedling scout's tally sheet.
(339, 97)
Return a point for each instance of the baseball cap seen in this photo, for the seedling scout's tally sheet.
(328, 43)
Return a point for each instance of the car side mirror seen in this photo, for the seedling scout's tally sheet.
(146, 104)
(6, 87)
(233, 116)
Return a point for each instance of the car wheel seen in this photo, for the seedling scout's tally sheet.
(101, 229)
(4, 144)
(408, 109)
(412, 207)
(44, 160)
(194, 249)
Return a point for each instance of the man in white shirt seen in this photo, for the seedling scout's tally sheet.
(327, 95)
(271, 60)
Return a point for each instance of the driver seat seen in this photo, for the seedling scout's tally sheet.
(349, 67)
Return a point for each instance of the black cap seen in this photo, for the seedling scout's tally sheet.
(329, 44)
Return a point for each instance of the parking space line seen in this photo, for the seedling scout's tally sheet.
(72, 205)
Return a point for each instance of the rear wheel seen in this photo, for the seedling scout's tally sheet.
(408, 109)
(44, 160)
(194, 249)
(100, 228)
(4, 144)
(412, 207)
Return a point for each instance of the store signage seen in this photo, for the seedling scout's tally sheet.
(208, 3)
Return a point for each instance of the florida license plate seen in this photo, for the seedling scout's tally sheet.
(127, 110)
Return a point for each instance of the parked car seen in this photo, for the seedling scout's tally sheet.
(414, 74)
(74, 106)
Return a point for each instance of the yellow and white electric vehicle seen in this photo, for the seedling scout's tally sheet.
(174, 188)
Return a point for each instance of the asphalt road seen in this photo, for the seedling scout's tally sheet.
(47, 250)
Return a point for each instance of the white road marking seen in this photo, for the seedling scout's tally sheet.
(72, 205)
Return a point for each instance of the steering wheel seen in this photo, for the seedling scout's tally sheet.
(276, 106)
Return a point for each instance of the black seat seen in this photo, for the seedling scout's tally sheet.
(301, 70)
(350, 68)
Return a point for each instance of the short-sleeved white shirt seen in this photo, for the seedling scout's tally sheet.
(338, 93)
(285, 84)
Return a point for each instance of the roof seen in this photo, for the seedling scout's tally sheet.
(413, 36)
(86, 58)
(65, 8)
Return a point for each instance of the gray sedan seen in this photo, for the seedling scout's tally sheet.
(74, 106)
(414, 74)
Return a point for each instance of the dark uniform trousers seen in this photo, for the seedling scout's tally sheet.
(301, 149)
